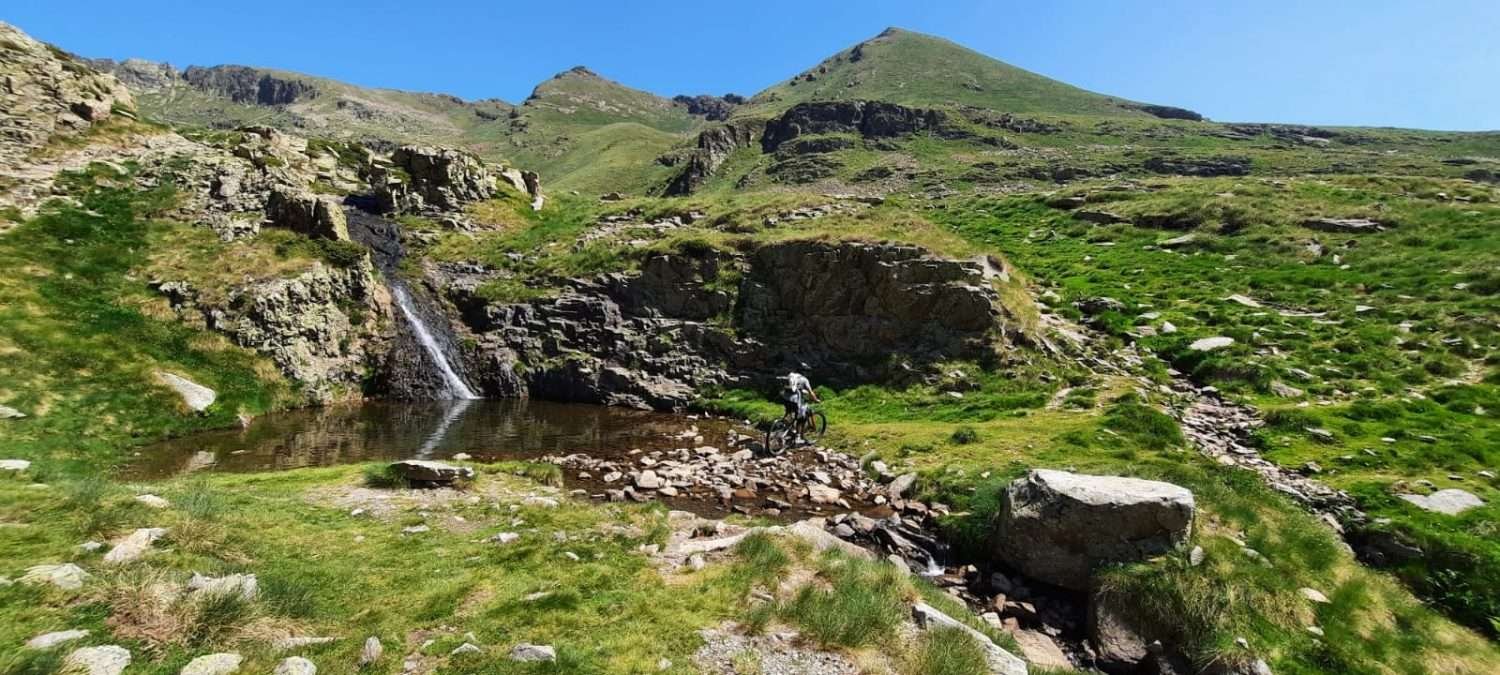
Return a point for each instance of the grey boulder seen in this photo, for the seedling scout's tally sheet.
(421, 471)
(1059, 527)
(1451, 501)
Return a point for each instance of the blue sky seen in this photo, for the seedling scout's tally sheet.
(1372, 62)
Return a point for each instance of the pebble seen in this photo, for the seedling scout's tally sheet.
(465, 648)
(1314, 595)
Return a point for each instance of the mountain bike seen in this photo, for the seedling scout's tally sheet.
(784, 432)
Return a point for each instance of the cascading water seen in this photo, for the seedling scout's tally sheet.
(453, 385)
(408, 374)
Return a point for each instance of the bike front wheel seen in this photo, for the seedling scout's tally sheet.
(778, 437)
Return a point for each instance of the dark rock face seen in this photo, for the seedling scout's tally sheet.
(652, 339)
(870, 119)
(1199, 166)
(711, 108)
(859, 301)
(242, 84)
(1168, 112)
(715, 144)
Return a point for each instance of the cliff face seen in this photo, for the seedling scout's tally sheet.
(685, 324)
(326, 328)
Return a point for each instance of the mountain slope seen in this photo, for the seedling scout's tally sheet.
(231, 95)
(582, 131)
(901, 66)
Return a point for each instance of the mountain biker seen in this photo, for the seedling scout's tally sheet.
(798, 387)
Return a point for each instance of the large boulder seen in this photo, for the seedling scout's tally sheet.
(307, 213)
(423, 472)
(1451, 501)
(1059, 527)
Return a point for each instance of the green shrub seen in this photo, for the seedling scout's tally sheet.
(964, 435)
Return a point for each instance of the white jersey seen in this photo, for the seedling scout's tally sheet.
(798, 384)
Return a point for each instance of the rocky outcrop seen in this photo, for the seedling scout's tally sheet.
(307, 213)
(1198, 166)
(685, 322)
(853, 301)
(869, 119)
(424, 178)
(715, 144)
(139, 74)
(1167, 112)
(323, 328)
(1059, 527)
(46, 93)
(711, 108)
(243, 84)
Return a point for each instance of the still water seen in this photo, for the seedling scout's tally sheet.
(387, 430)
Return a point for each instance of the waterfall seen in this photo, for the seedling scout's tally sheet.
(453, 385)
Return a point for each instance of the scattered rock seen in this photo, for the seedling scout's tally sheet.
(50, 640)
(900, 485)
(1001, 661)
(1313, 595)
(466, 648)
(298, 642)
(371, 652)
(153, 501)
(1209, 344)
(1196, 556)
(134, 545)
(213, 664)
(9, 413)
(531, 652)
(14, 465)
(1450, 501)
(1058, 526)
(246, 586)
(105, 660)
(194, 395)
(66, 576)
(1040, 650)
(295, 665)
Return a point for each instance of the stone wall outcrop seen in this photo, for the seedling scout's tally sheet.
(324, 328)
(685, 323)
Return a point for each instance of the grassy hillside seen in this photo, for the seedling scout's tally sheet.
(921, 70)
(583, 132)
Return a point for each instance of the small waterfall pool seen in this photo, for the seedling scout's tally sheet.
(486, 429)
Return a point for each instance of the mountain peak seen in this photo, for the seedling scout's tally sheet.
(911, 68)
(577, 71)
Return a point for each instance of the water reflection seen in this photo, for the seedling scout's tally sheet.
(484, 429)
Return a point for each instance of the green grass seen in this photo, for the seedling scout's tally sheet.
(83, 340)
